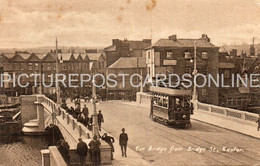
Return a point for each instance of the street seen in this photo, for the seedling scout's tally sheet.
(203, 144)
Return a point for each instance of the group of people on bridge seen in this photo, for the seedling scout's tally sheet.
(83, 115)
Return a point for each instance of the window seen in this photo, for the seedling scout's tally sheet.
(204, 92)
(64, 67)
(22, 66)
(234, 102)
(188, 70)
(187, 55)
(36, 66)
(15, 66)
(48, 66)
(227, 73)
(229, 101)
(149, 55)
(204, 55)
(30, 66)
(161, 101)
(169, 54)
(239, 101)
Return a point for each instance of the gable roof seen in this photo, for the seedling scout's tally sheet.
(33, 57)
(128, 62)
(85, 57)
(20, 57)
(49, 57)
(94, 56)
(64, 57)
(182, 43)
(8, 55)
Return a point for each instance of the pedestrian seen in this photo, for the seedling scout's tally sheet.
(123, 138)
(110, 140)
(85, 110)
(100, 119)
(95, 150)
(64, 147)
(77, 112)
(82, 151)
(258, 121)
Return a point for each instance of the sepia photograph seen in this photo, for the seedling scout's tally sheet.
(129, 82)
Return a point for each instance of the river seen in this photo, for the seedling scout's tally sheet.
(21, 150)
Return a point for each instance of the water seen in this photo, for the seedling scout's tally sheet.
(22, 150)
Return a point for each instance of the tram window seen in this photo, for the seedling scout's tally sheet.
(165, 103)
(160, 103)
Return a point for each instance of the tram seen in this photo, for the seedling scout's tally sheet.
(171, 106)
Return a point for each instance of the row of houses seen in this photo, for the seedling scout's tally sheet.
(165, 56)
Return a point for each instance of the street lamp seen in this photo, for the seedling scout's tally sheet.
(195, 71)
(94, 101)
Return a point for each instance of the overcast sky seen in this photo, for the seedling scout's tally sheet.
(33, 23)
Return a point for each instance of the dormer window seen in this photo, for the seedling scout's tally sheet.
(169, 54)
(204, 55)
(187, 55)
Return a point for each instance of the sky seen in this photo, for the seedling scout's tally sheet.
(89, 23)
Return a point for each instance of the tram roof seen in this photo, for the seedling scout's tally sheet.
(170, 92)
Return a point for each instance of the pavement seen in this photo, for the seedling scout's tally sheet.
(132, 159)
(243, 127)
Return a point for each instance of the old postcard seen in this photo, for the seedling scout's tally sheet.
(129, 82)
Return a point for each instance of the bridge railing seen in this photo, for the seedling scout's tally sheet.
(229, 112)
(67, 118)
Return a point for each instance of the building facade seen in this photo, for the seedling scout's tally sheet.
(176, 56)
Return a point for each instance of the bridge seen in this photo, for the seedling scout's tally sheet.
(38, 112)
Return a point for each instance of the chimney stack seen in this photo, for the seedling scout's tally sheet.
(205, 37)
(115, 41)
(173, 37)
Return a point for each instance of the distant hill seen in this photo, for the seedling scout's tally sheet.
(46, 49)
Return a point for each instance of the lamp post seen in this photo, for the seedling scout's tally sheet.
(195, 71)
(57, 72)
(94, 101)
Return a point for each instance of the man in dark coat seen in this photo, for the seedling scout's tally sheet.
(82, 151)
(85, 110)
(95, 150)
(110, 141)
(77, 112)
(100, 119)
(123, 138)
(64, 148)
